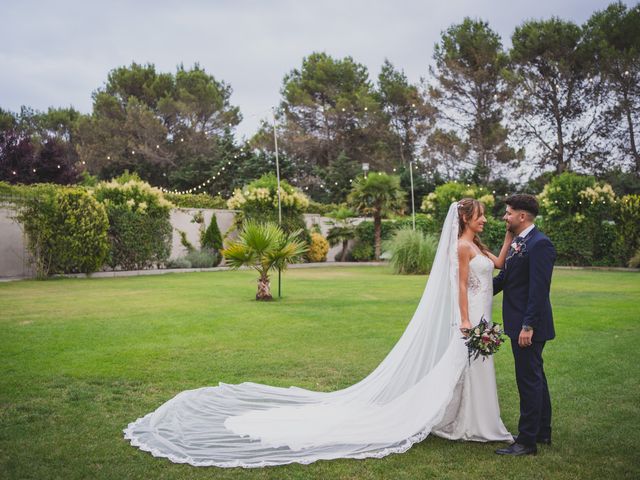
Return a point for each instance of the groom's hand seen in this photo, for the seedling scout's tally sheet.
(525, 339)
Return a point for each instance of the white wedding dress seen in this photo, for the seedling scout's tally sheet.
(424, 386)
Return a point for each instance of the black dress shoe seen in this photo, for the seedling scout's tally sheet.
(544, 441)
(517, 449)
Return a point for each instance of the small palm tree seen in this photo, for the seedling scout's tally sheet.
(378, 195)
(342, 229)
(264, 247)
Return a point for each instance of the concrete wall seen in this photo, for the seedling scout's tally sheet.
(14, 257)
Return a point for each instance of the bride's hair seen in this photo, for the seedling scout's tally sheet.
(468, 209)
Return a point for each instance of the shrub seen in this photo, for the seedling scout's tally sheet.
(261, 196)
(259, 201)
(200, 200)
(322, 208)
(627, 218)
(412, 252)
(179, 262)
(424, 223)
(437, 202)
(212, 238)
(493, 234)
(572, 240)
(184, 241)
(66, 230)
(318, 248)
(561, 198)
(634, 262)
(577, 214)
(362, 252)
(204, 258)
(139, 225)
(365, 233)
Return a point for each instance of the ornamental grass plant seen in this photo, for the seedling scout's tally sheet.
(412, 252)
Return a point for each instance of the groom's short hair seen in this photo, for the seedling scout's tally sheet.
(525, 202)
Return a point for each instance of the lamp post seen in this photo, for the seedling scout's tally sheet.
(365, 169)
(413, 203)
(275, 142)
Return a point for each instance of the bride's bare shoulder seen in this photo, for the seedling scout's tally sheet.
(464, 247)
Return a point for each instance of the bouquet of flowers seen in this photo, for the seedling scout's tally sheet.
(484, 339)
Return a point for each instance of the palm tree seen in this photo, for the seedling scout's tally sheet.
(342, 229)
(378, 194)
(264, 247)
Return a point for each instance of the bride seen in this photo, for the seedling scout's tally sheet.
(424, 386)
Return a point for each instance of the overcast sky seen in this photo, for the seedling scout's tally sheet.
(56, 53)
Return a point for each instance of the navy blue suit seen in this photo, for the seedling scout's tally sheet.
(526, 280)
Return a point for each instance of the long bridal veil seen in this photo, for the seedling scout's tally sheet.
(397, 405)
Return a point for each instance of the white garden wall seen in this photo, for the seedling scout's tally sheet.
(14, 258)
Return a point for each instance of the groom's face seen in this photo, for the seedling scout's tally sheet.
(514, 220)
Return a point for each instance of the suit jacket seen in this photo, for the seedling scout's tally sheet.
(526, 281)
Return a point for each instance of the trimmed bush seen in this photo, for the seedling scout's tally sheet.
(212, 238)
(204, 258)
(424, 223)
(318, 248)
(258, 201)
(179, 262)
(66, 230)
(627, 217)
(139, 225)
(437, 203)
(362, 252)
(577, 214)
(200, 200)
(412, 252)
(322, 208)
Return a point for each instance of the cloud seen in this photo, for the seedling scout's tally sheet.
(58, 53)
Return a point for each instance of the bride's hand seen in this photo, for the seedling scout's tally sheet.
(465, 327)
(508, 237)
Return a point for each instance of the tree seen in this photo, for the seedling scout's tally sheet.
(342, 229)
(17, 157)
(553, 93)
(378, 195)
(329, 113)
(39, 146)
(613, 37)
(468, 97)
(211, 237)
(165, 127)
(55, 163)
(264, 247)
(405, 110)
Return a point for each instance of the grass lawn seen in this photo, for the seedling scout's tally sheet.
(80, 359)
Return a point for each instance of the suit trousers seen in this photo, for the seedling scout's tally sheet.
(535, 402)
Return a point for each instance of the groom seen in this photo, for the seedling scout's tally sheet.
(528, 320)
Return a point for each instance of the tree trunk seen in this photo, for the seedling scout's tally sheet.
(343, 256)
(377, 229)
(632, 137)
(264, 288)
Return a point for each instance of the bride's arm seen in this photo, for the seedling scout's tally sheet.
(464, 254)
(498, 261)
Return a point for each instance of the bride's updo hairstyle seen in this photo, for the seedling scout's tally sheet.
(468, 209)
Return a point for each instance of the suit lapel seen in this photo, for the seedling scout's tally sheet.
(511, 256)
